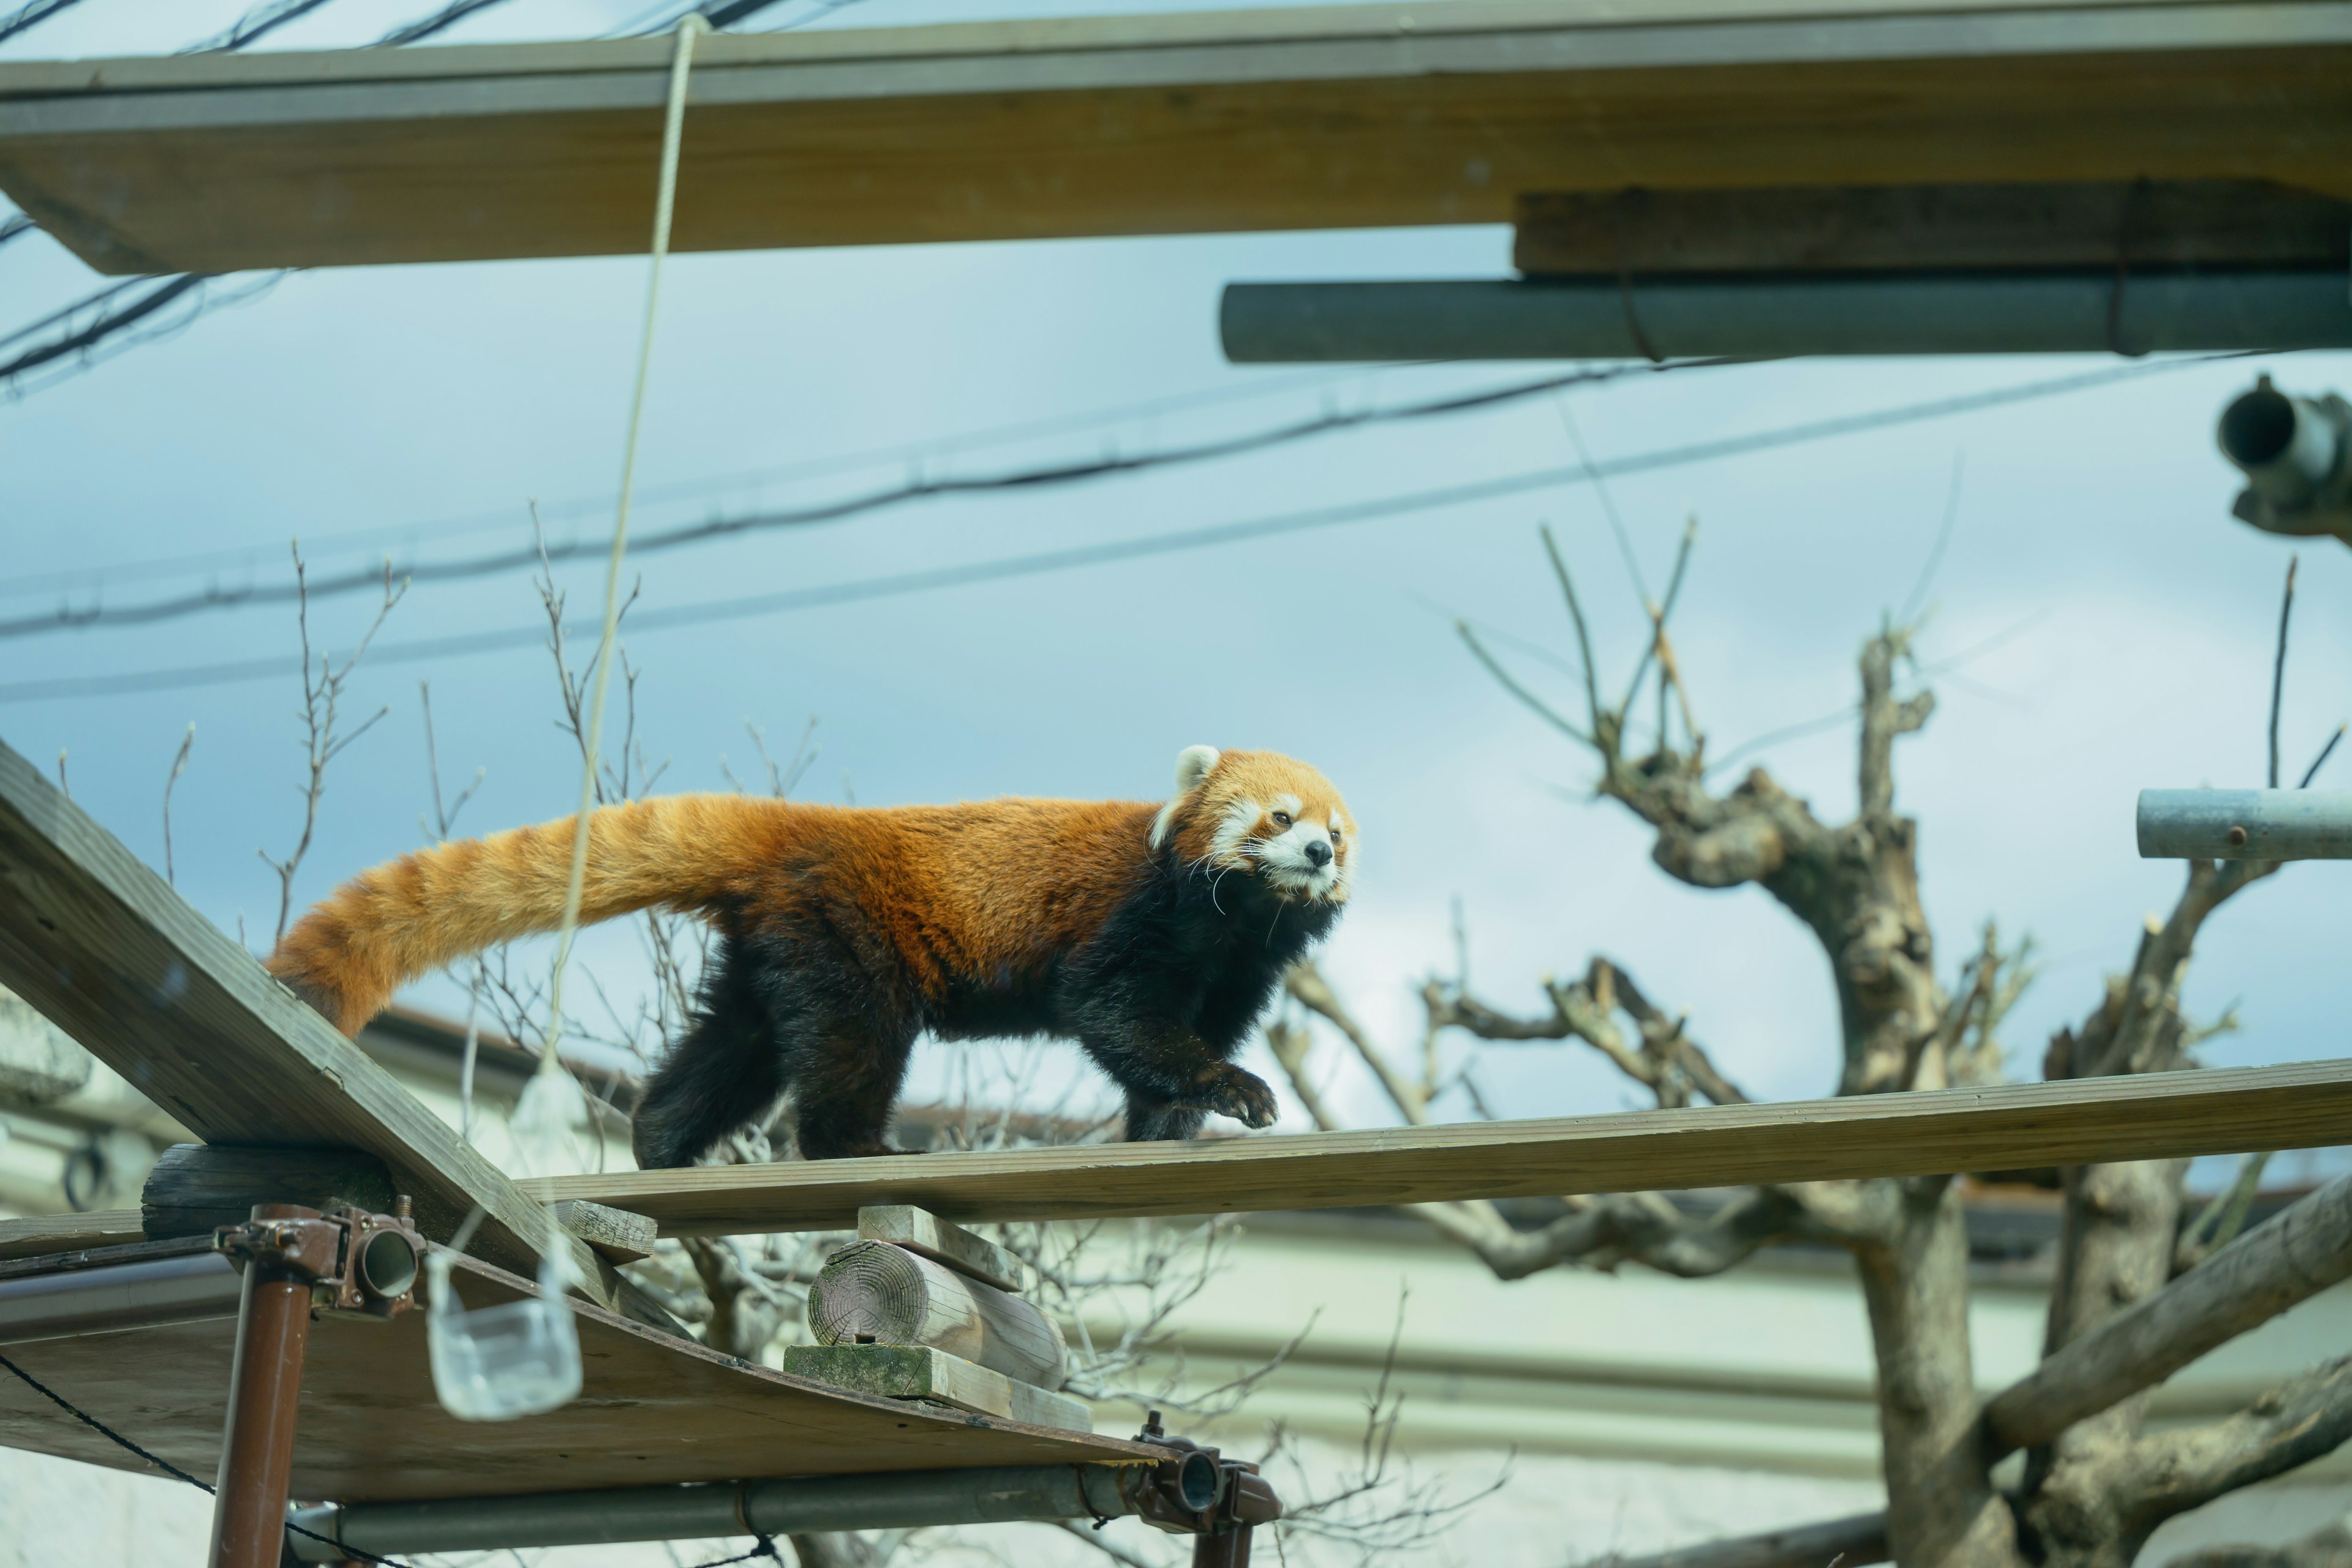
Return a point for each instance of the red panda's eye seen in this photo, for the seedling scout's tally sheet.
(1282, 819)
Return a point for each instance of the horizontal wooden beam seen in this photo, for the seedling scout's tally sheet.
(2101, 225)
(1349, 116)
(45, 1233)
(107, 951)
(2008, 1127)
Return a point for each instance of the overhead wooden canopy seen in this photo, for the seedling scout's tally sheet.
(1321, 117)
(2003, 1127)
(652, 1410)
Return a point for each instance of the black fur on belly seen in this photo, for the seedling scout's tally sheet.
(821, 1006)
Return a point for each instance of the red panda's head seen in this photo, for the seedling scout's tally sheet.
(1264, 814)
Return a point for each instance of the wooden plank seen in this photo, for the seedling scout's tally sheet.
(1875, 228)
(45, 1233)
(618, 1234)
(941, 1241)
(922, 1371)
(2307, 1105)
(652, 1409)
(105, 949)
(1339, 117)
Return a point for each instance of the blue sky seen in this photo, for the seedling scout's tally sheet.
(2118, 621)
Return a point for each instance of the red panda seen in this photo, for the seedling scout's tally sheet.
(1151, 934)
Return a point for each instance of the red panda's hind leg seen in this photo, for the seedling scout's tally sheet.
(723, 1074)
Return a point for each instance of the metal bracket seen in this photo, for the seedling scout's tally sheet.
(356, 1263)
(1198, 1492)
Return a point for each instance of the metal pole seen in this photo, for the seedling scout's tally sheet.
(273, 1329)
(190, 1289)
(2245, 824)
(1764, 316)
(800, 1505)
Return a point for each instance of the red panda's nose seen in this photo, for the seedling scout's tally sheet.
(1319, 853)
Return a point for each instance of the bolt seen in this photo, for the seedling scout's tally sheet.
(2237, 837)
(399, 1207)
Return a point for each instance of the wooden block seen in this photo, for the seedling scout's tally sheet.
(872, 1290)
(51, 1233)
(919, 1372)
(617, 1234)
(196, 1188)
(920, 1230)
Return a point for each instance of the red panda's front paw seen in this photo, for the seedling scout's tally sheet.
(1244, 1096)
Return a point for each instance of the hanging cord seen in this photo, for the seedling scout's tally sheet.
(673, 129)
(177, 1474)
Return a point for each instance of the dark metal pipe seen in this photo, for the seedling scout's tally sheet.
(2245, 824)
(189, 1289)
(273, 1330)
(994, 1495)
(1772, 316)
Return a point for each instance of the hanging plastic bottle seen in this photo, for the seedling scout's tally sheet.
(520, 1358)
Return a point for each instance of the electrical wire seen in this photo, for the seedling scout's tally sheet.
(31, 15)
(105, 326)
(257, 23)
(116, 342)
(316, 546)
(918, 488)
(448, 16)
(17, 224)
(930, 580)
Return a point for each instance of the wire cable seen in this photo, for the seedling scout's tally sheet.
(31, 15)
(177, 1474)
(106, 326)
(257, 23)
(448, 16)
(215, 597)
(895, 585)
(319, 544)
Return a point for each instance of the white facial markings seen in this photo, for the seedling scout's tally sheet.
(1226, 845)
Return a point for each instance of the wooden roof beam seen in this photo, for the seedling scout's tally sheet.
(1338, 117)
(106, 950)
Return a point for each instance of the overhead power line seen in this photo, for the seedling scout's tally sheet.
(17, 224)
(108, 323)
(316, 545)
(32, 16)
(918, 488)
(258, 23)
(448, 16)
(930, 580)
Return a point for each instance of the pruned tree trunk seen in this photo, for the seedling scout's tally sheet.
(2099, 1483)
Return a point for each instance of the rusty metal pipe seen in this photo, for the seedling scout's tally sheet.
(273, 1330)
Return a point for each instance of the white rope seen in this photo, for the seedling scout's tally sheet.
(673, 129)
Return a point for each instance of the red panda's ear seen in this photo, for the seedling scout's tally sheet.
(1193, 765)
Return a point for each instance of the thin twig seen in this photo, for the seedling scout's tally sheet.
(2278, 666)
(179, 766)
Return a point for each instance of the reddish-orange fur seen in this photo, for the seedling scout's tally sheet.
(975, 887)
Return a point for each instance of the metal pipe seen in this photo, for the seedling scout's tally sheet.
(2245, 824)
(264, 1399)
(1770, 316)
(189, 1289)
(905, 1500)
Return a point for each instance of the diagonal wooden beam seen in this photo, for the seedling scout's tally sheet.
(2008, 1127)
(105, 949)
